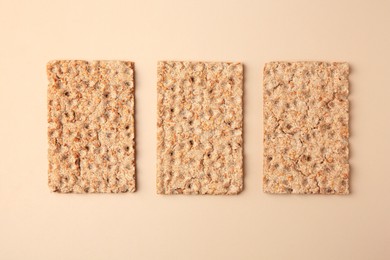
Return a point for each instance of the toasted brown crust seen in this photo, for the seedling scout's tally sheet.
(199, 128)
(91, 126)
(306, 127)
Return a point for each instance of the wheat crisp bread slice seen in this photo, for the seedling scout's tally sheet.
(91, 126)
(306, 127)
(199, 128)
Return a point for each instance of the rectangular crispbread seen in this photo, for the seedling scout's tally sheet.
(306, 127)
(199, 128)
(91, 126)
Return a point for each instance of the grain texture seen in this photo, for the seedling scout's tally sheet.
(91, 126)
(199, 128)
(306, 127)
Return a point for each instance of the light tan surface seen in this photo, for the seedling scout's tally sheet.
(199, 128)
(91, 126)
(38, 224)
(306, 127)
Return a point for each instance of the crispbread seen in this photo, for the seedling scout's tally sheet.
(306, 127)
(199, 128)
(91, 126)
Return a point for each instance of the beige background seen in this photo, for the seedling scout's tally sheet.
(37, 224)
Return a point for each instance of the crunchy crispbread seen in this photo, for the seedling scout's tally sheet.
(199, 128)
(306, 127)
(91, 126)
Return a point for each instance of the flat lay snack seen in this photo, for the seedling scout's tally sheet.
(306, 127)
(91, 126)
(199, 149)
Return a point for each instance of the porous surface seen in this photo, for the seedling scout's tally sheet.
(199, 128)
(306, 127)
(91, 126)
